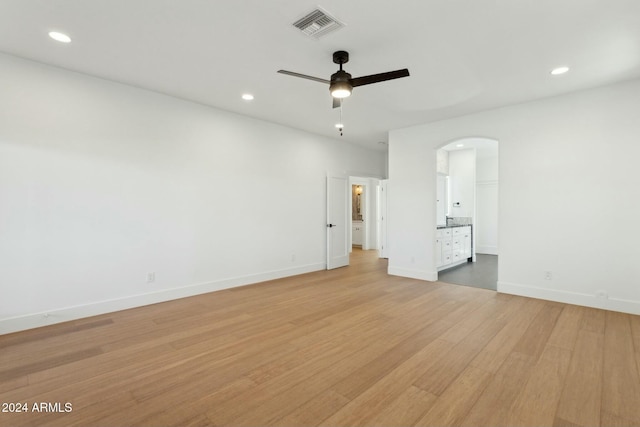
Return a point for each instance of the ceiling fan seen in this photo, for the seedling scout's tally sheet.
(341, 83)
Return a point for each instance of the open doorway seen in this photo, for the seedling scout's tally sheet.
(357, 216)
(363, 213)
(352, 205)
(467, 221)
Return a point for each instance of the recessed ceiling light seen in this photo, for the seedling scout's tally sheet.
(247, 97)
(60, 37)
(559, 70)
(459, 145)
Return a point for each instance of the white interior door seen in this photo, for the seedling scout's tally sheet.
(338, 221)
(384, 251)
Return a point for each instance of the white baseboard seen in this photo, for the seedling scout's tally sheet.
(489, 250)
(66, 314)
(613, 304)
(430, 276)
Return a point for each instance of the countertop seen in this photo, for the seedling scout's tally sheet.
(452, 226)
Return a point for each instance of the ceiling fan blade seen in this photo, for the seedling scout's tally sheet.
(304, 76)
(337, 102)
(375, 78)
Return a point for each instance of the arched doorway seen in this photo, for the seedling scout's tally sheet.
(467, 203)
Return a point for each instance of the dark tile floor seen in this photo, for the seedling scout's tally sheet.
(481, 274)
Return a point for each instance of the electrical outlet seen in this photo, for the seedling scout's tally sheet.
(293, 258)
(151, 277)
(547, 275)
(413, 260)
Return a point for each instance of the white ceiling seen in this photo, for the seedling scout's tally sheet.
(464, 56)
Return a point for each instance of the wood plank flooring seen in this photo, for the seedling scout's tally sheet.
(347, 347)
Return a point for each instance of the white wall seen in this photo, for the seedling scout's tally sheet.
(487, 169)
(568, 195)
(486, 222)
(462, 183)
(101, 183)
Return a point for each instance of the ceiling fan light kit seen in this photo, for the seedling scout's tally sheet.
(340, 89)
(341, 83)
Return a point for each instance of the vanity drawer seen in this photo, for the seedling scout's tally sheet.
(456, 243)
(447, 245)
(457, 231)
(447, 258)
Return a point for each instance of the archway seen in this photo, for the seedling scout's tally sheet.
(467, 203)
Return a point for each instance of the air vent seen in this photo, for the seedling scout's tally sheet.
(318, 23)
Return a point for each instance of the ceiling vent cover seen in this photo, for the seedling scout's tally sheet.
(318, 23)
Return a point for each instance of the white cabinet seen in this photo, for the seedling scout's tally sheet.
(356, 233)
(456, 245)
(466, 245)
(453, 246)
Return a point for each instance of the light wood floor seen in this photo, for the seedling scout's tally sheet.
(346, 347)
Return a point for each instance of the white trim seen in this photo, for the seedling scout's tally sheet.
(588, 300)
(66, 314)
(430, 276)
